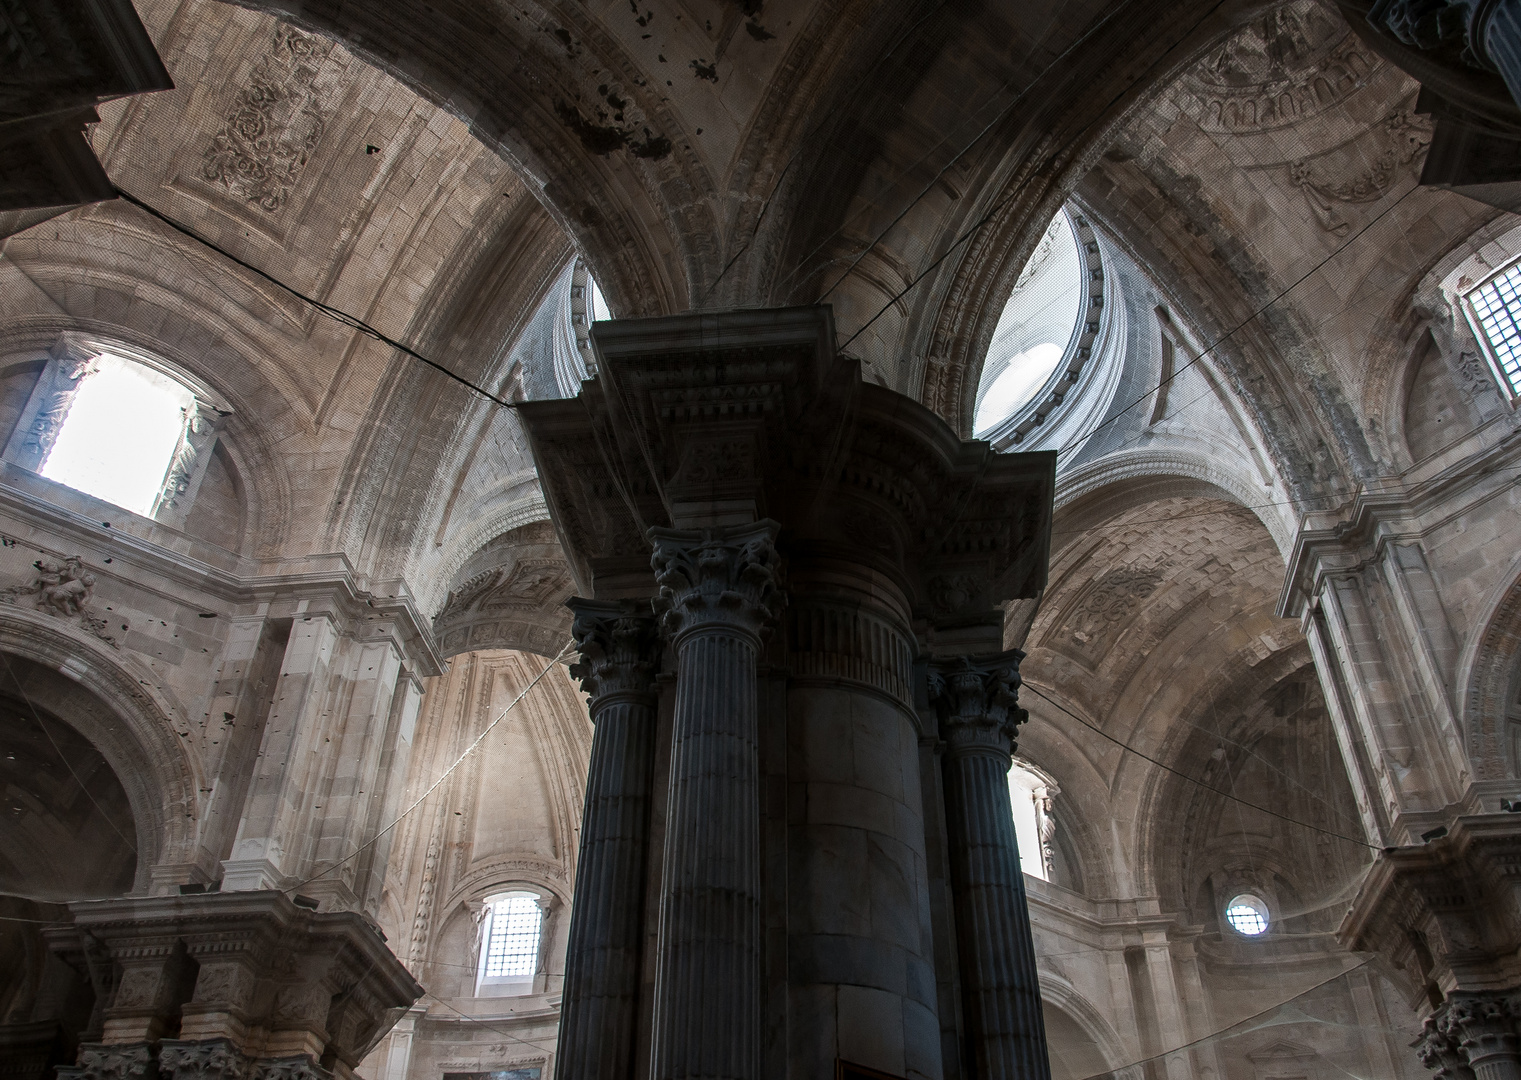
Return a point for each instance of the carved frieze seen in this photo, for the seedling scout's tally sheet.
(1283, 67)
(202, 1059)
(693, 422)
(1363, 170)
(131, 1061)
(267, 139)
(299, 1067)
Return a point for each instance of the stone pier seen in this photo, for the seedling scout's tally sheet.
(820, 553)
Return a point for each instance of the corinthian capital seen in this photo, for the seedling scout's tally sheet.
(1484, 1025)
(977, 697)
(717, 578)
(619, 647)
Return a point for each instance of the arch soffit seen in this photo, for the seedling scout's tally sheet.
(1098, 490)
(638, 204)
(463, 545)
(161, 780)
(412, 404)
(166, 277)
(1213, 288)
(1059, 993)
(248, 431)
(1161, 798)
(971, 294)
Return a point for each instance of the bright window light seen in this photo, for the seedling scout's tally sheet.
(120, 433)
(1026, 373)
(1497, 307)
(1029, 799)
(1247, 915)
(599, 308)
(512, 938)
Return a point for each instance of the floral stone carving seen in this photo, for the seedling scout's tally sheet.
(264, 146)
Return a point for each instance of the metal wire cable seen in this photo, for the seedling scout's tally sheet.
(353, 322)
(1208, 787)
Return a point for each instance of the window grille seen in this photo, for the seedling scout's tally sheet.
(1496, 309)
(1247, 915)
(512, 938)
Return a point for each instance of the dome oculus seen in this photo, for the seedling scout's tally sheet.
(1035, 329)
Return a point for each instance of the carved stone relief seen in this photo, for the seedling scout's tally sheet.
(133, 1061)
(1099, 614)
(188, 466)
(511, 596)
(268, 137)
(1363, 170)
(1287, 65)
(42, 419)
(63, 589)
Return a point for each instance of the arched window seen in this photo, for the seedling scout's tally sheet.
(1030, 796)
(118, 427)
(512, 926)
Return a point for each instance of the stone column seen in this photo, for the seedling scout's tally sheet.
(1485, 1028)
(620, 653)
(976, 698)
(718, 591)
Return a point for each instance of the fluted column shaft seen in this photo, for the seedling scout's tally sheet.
(1000, 988)
(718, 590)
(619, 648)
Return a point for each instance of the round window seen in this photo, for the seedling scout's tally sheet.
(1247, 915)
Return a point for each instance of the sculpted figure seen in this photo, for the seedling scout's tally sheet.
(63, 590)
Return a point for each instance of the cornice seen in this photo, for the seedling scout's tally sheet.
(237, 581)
(1390, 509)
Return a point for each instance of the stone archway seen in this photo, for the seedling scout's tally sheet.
(65, 675)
